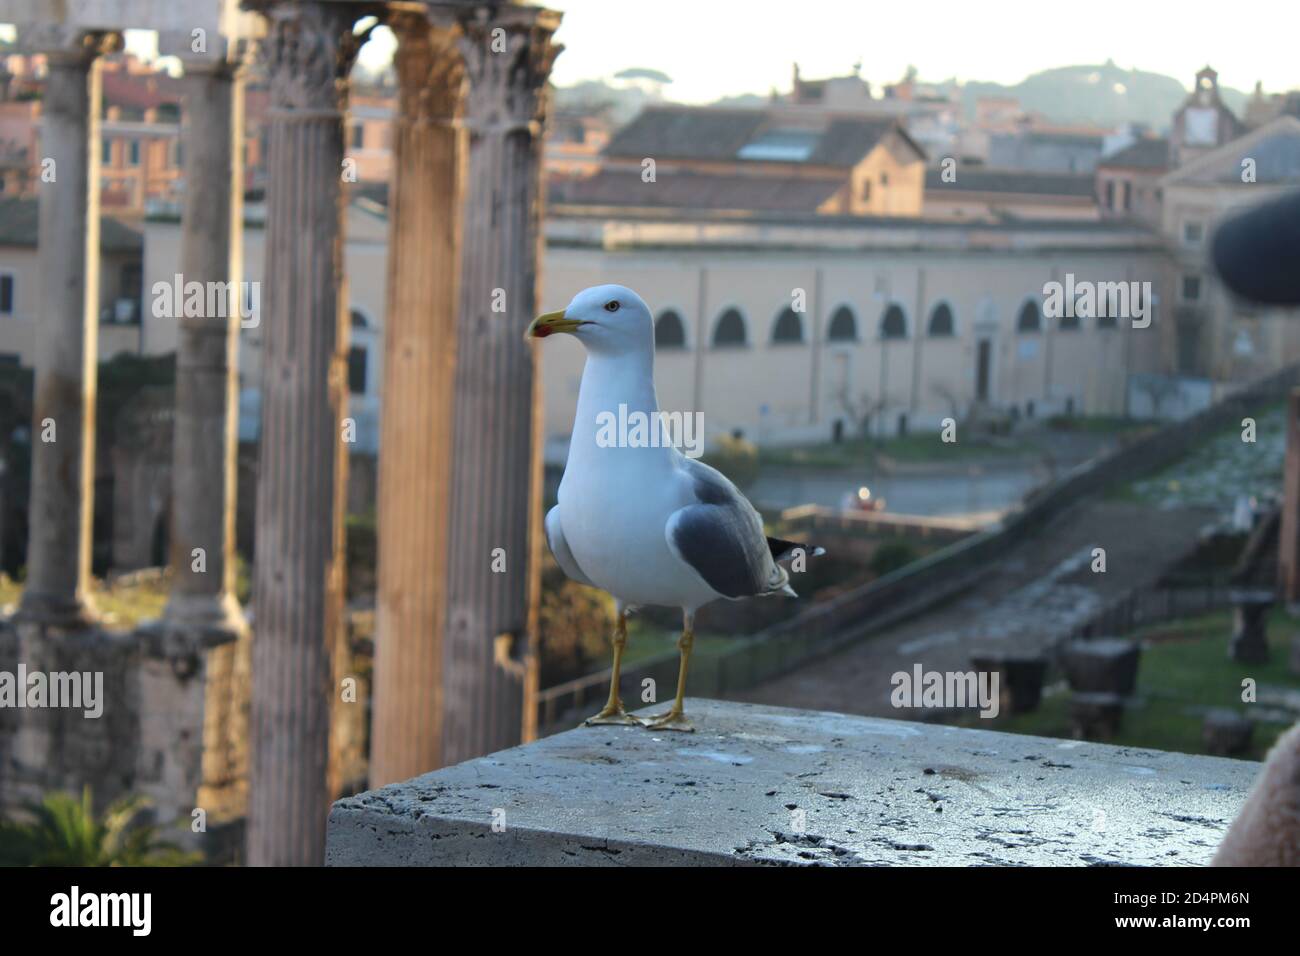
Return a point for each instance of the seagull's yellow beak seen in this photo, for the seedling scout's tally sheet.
(544, 325)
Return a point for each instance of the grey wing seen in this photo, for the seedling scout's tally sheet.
(560, 548)
(721, 537)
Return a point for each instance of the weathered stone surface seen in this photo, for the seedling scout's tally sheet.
(1103, 666)
(871, 791)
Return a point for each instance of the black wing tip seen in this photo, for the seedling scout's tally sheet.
(783, 550)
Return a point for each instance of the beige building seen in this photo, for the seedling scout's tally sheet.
(787, 330)
(981, 193)
(20, 288)
(782, 159)
(797, 331)
(1213, 334)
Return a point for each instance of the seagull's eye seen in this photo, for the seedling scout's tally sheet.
(611, 305)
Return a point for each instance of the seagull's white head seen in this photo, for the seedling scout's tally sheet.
(607, 319)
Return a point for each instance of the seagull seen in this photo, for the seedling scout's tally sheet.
(637, 518)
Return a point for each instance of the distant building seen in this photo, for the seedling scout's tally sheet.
(1042, 149)
(574, 143)
(1128, 180)
(746, 160)
(120, 276)
(1213, 334)
(1203, 122)
(979, 193)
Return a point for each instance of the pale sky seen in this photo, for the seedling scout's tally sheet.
(715, 48)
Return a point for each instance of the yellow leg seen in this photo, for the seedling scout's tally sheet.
(674, 719)
(613, 712)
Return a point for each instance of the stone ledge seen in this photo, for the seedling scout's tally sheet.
(872, 792)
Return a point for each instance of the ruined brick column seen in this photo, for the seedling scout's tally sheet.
(496, 466)
(299, 564)
(63, 434)
(419, 364)
(205, 435)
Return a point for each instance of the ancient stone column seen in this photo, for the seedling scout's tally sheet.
(205, 434)
(63, 439)
(419, 363)
(302, 471)
(494, 539)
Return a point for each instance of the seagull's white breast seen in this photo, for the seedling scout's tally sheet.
(614, 516)
(615, 499)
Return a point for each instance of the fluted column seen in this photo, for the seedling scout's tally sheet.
(419, 363)
(496, 469)
(63, 453)
(205, 436)
(298, 583)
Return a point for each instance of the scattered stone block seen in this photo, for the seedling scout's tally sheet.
(1096, 716)
(1227, 733)
(1020, 680)
(1103, 666)
(1249, 644)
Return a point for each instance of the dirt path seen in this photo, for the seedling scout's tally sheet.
(1042, 588)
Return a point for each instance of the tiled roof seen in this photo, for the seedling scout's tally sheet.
(695, 190)
(708, 133)
(1010, 181)
(1146, 153)
(686, 133)
(847, 140)
(20, 223)
(1273, 149)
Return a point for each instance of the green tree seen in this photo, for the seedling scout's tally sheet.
(63, 831)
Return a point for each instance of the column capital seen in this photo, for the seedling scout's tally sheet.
(508, 53)
(309, 49)
(60, 43)
(430, 70)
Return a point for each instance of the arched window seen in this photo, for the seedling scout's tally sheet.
(729, 331)
(941, 324)
(1029, 319)
(843, 327)
(893, 324)
(670, 331)
(788, 328)
(359, 320)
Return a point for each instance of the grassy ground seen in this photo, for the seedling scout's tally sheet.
(646, 640)
(120, 607)
(1184, 670)
(1218, 469)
